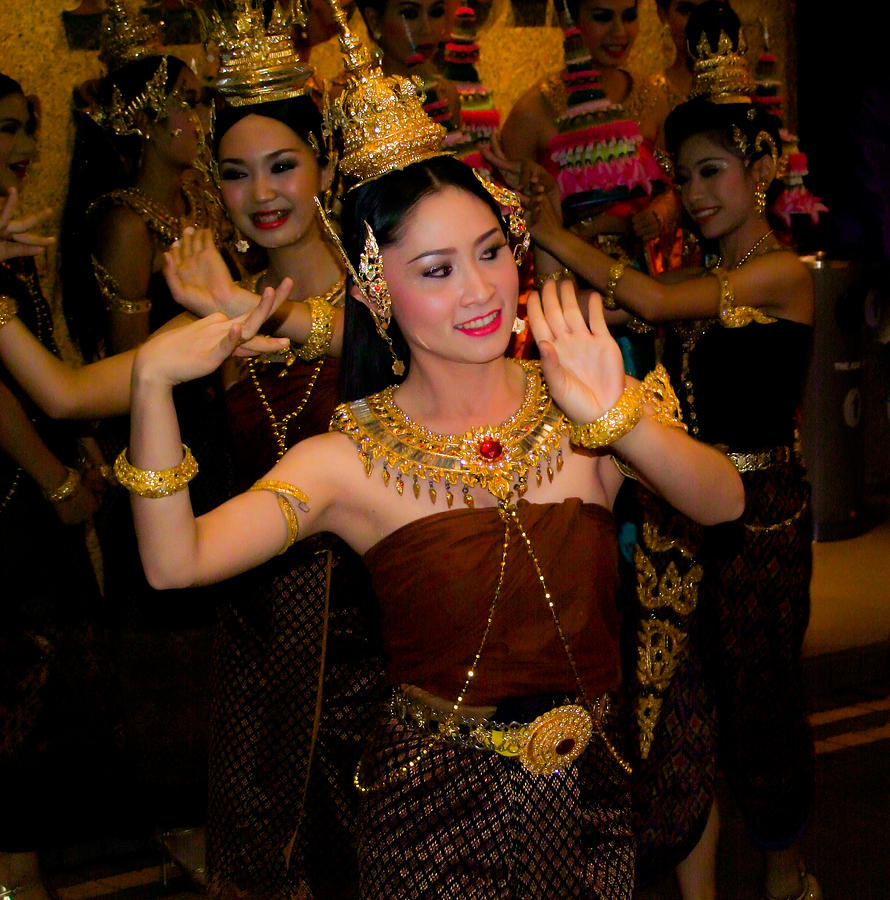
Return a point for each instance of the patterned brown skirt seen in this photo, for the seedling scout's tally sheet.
(470, 824)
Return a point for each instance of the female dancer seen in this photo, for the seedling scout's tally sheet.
(452, 581)
(273, 165)
(739, 337)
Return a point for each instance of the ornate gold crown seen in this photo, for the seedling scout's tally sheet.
(127, 37)
(122, 116)
(380, 118)
(722, 74)
(258, 62)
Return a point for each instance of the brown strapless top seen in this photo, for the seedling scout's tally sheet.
(436, 578)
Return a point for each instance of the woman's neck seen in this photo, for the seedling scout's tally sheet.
(162, 183)
(616, 83)
(312, 263)
(452, 398)
(680, 74)
(737, 246)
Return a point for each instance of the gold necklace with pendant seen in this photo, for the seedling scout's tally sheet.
(494, 457)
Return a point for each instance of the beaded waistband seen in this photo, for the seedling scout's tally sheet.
(753, 461)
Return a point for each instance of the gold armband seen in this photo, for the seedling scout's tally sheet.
(282, 491)
(155, 483)
(613, 424)
(615, 273)
(659, 394)
(557, 276)
(730, 315)
(8, 310)
(318, 344)
(68, 487)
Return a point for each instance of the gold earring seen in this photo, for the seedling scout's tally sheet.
(760, 198)
(373, 286)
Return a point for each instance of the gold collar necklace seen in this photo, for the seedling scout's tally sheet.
(494, 457)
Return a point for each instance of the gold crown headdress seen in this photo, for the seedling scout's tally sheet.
(127, 37)
(258, 61)
(380, 119)
(721, 74)
(122, 116)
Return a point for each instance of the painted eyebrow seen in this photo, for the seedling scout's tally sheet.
(275, 153)
(444, 250)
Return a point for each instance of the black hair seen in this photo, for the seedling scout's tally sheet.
(384, 203)
(8, 87)
(100, 163)
(300, 114)
(574, 7)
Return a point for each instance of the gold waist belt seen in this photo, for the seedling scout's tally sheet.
(761, 459)
(551, 742)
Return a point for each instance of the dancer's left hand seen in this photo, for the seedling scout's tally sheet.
(581, 362)
(17, 237)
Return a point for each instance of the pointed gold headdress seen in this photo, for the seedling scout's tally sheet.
(721, 73)
(258, 61)
(127, 37)
(380, 119)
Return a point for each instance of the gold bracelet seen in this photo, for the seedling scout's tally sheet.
(613, 424)
(730, 315)
(8, 310)
(321, 332)
(155, 483)
(615, 273)
(282, 491)
(68, 487)
(557, 276)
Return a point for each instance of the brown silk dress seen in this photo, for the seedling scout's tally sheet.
(469, 823)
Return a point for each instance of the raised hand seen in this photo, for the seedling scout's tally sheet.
(198, 348)
(16, 235)
(199, 278)
(582, 363)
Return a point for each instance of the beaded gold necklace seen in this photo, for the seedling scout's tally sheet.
(280, 426)
(497, 459)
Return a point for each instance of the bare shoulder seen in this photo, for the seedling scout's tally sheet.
(786, 283)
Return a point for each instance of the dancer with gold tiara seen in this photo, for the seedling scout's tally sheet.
(496, 770)
(722, 614)
(273, 162)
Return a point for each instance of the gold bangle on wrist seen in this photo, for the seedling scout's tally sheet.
(321, 332)
(68, 487)
(557, 276)
(613, 424)
(155, 483)
(615, 273)
(8, 310)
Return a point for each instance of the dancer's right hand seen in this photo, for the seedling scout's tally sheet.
(16, 235)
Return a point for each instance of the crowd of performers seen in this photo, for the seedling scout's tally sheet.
(500, 494)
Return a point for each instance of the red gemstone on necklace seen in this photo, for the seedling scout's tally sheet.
(490, 449)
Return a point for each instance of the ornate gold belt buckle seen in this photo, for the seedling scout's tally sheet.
(555, 739)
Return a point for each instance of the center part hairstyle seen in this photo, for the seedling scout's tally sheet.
(385, 203)
(720, 101)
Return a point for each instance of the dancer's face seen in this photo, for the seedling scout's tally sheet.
(453, 280)
(409, 31)
(716, 187)
(609, 29)
(270, 177)
(17, 142)
(675, 17)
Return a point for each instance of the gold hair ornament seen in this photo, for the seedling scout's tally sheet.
(380, 119)
(126, 37)
(257, 61)
(155, 483)
(519, 235)
(721, 74)
(372, 283)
